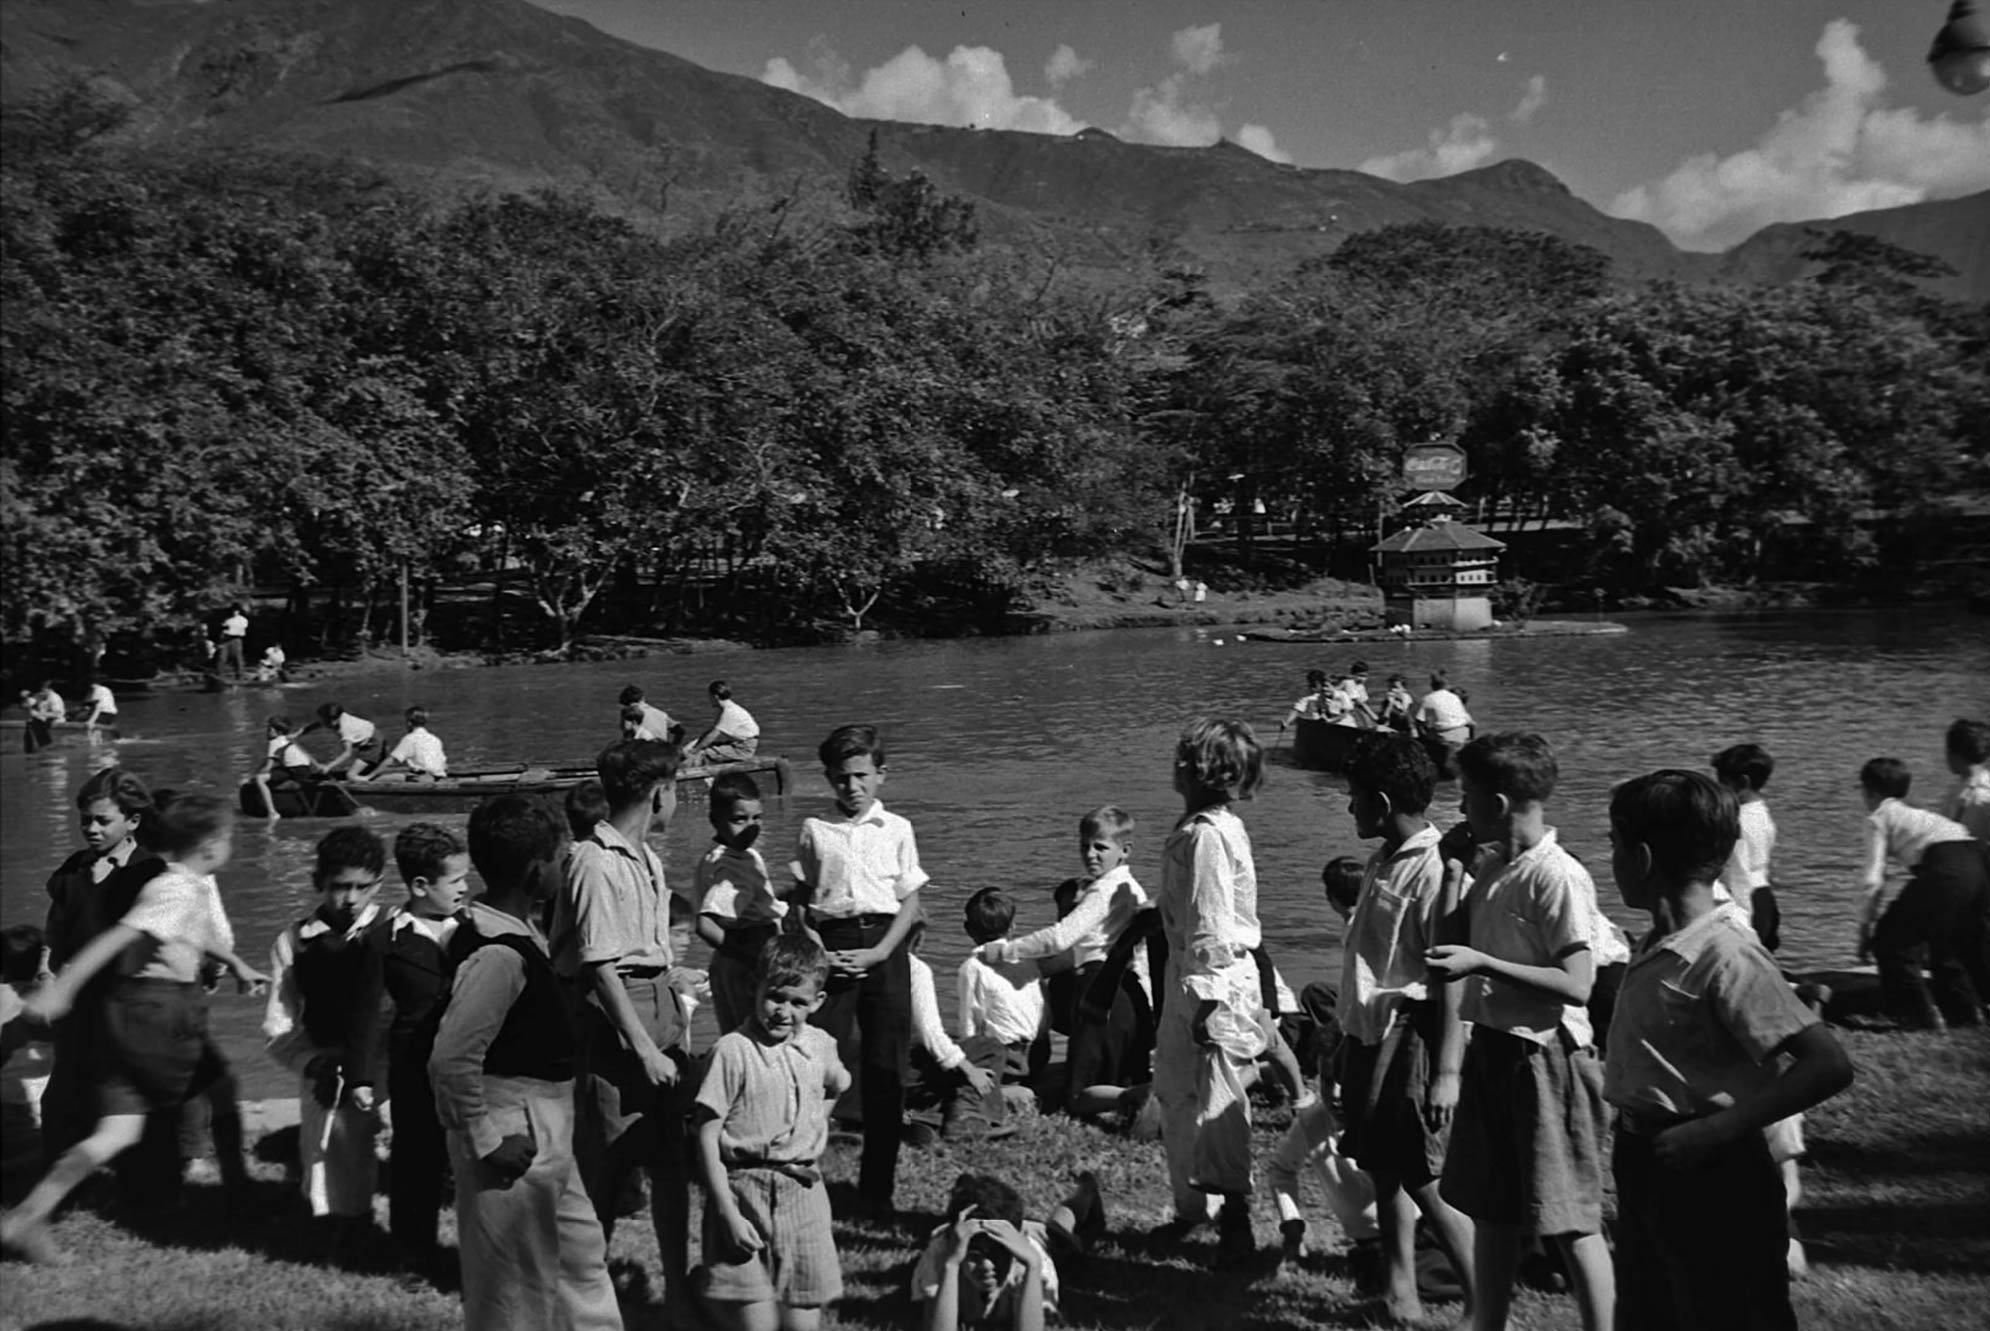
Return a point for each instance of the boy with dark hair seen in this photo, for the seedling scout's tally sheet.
(503, 1070)
(1966, 747)
(1709, 1046)
(1003, 1015)
(1941, 907)
(419, 751)
(611, 940)
(763, 1122)
(323, 1024)
(1525, 1155)
(738, 913)
(860, 878)
(653, 722)
(410, 956)
(1405, 1044)
(1744, 769)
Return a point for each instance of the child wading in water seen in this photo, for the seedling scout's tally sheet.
(156, 1052)
(1210, 1030)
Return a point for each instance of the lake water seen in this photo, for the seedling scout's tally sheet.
(997, 746)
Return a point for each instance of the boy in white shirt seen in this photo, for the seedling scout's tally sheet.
(1940, 908)
(1745, 769)
(1967, 748)
(1002, 1012)
(419, 751)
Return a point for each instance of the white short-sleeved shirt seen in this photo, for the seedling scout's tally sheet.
(181, 912)
(422, 751)
(102, 699)
(732, 884)
(1748, 867)
(1908, 831)
(1004, 1002)
(1970, 805)
(1392, 927)
(286, 752)
(736, 721)
(1700, 1013)
(1442, 709)
(1530, 912)
(355, 730)
(859, 866)
(235, 626)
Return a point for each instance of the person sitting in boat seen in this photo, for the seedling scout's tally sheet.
(1442, 715)
(655, 721)
(46, 711)
(1312, 707)
(284, 761)
(1339, 707)
(1397, 705)
(270, 669)
(361, 745)
(636, 725)
(1355, 686)
(734, 736)
(419, 751)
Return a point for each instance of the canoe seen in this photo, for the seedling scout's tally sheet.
(1324, 747)
(342, 799)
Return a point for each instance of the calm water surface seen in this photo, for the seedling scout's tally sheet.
(998, 745)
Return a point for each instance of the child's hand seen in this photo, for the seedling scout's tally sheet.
(1013, 1239)
(979, 1078)
(1687, 1144)
(953, 1243)
(1454, 961)
(745, 1239)
(49, 1003)
(659, 1067)
(853, 964)
(1440, 1099)
(995, 953)
(249, 980)
(510, 1158)
(360, 1098)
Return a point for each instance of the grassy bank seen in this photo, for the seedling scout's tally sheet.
(1896, 1213)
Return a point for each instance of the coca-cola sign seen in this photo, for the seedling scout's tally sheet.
(1434, 467)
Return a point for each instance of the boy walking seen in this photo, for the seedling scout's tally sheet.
(763, 1121)
(1405, 1045)
(611, 941)
(323, 1024)
(860, 876)
(410, 955)
(503, 1070)
(1703, 1024)
(1525, 1154)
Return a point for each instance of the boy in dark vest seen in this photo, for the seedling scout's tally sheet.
(503, 1071)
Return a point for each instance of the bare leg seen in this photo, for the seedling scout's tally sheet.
(1454, 1236)
(1799, 1261)
(750, 1316)
(113, 1136)
(269, 800)
(1396, 1211)
(1495, 1261)
(1595, 1280)
(800, 1319)
(1080, 1217)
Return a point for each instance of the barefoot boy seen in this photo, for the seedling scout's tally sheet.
(1708, 1047)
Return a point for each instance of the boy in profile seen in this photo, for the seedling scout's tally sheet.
(1709, 1047)
(1526, 1154)
(1405, 1044)
(860, 877)
(503, 1070)
(1744, 769)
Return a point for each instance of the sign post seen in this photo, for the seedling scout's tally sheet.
(1428, 467)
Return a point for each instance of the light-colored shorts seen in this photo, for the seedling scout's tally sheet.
(797, 1264)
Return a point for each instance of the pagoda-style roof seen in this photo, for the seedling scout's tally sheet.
(1436, 536)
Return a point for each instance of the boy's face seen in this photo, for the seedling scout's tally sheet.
(105, 825)
(737, 824)
(783, 1009)
(1102, 852)
(443, 895)
(1483, 809)
(1627, 866)
(663, 804)
(347, 893)
(1369, 810)
(855, 781)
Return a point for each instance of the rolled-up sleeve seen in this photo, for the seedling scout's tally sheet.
(911, 875)
(1212, 933)
(487, 984)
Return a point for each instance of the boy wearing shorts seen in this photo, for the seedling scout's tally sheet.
(763, 1121)
(1526, 1154)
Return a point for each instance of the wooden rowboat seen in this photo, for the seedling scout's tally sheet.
(342, 799)
(1324, 747)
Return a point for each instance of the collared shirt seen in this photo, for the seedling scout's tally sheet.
(772, 1100)
(732, 884)
(355, 730)
(1903, 833)
(1700, 1014)
(1970, 805)
(656, 721)
(484, 1108)
(113, 859)
(288, 752)
(283, 1018)
(182, 914)
(235, 626)
(422, 752)
(1442, 710)
(1098, 916)
(1393, 925)
(1002, 1002)
(859, 866)
(736, 721)
(438, 932)
(615, 907)
(1748, 867)
(1531, 912)
(1209, 903)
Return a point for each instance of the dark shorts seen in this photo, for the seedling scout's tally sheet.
(796, 1265)
(1117, 1051)
(1527, 1140)
(154, 1052)
(1384, 1131)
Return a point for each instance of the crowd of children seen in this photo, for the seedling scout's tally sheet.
(1492, 1051)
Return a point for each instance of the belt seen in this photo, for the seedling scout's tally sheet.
(800, 1171)
(1649, 1122)
(640, 972)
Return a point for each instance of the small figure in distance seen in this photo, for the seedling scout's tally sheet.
(734, 736)
(234, 630)
(360, 744)
(419, 751)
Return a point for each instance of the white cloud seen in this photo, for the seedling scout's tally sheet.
(970, 87)
(1531, 101)
(1459, 146)
(1260, 141)
(1838, 151)
(1198, 50)
(1064, 65)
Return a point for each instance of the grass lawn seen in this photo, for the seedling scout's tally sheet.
(1896, 1213)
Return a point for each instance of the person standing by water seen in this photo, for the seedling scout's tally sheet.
(1442, 716)
(1967, 748)
(234, 633)
(1940, 908)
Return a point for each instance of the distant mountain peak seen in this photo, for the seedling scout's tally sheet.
(1516, 175)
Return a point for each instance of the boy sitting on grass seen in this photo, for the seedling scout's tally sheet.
(1709, 1047)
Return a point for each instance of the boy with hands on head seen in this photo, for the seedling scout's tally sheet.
(1708, 1047)
(763, 1121)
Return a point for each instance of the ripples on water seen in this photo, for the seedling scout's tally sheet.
(997, 746)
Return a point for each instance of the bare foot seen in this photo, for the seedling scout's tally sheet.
(1404, 1309)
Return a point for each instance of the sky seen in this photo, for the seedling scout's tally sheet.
(1707, 118)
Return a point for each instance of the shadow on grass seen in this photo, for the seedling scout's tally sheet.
(1964, 1151)
(1931, 1238)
